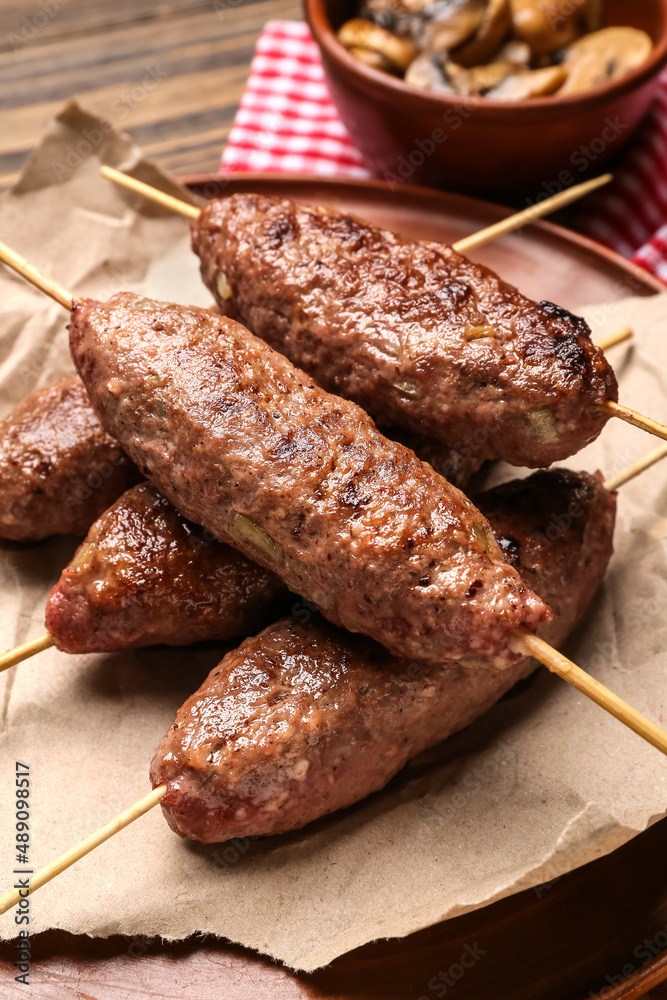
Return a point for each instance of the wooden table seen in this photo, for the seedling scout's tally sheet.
(170, 73)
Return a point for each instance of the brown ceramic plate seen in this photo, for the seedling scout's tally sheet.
(599, 931)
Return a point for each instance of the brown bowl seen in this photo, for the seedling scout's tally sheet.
(472, 144)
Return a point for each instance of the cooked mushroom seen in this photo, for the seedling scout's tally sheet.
(495, 24)
(602, 56)
(360, 34)
(427, 74)
(454, 22)
(534, 83)
(478, 79)
(544, 27)
(376, 60)
(515, 52)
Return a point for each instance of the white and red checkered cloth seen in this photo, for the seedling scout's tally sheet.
(287, 122)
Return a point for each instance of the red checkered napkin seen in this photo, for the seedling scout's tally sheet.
(286, 122)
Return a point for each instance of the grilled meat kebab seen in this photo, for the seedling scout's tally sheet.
(248, 446)
(413, 332)
(58, 469)
(146, 575)
(305, 719)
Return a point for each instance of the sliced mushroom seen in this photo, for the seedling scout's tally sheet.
(361, 34)
(534, 83)
(543, 26)
(396, 16)
(515, 52)
(495, 24)
(602, 56)
(426, 73)
(453, 23)
(478, 79)
(376, 60)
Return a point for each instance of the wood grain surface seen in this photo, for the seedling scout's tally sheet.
(170, 73)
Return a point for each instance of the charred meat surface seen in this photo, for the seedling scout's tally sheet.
(145, 575)
(556, 528)
(59, 469)
(457, 465)
(304, 719)
(415, 333)
(248, 446)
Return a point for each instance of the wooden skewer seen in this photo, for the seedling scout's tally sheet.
(525, 642)
(553, 659)
(521, 641)
(139, 187)
(35, 277)
(528, 215)
(613, 339)
(507, 225)
(633, 417)
(66, 860)
(634, 470)
(25, 651)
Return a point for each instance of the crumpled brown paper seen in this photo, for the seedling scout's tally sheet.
(544, 782)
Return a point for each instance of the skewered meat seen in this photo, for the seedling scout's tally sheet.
(58, 469)
(305, 719)
(145, 575)
(415, 333)
(246, 445)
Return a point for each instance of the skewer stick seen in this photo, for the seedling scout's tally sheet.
(507, 225)
(530, 214)
(521, 639)
(35, 277)
(613, 339)
(634, 470)
(25, 651)
(525, 642)
(633, 417)
(69, 858)
(166, 200)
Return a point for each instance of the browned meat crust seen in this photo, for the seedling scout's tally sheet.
(457, 465)
(58, 469)
(415, 333)
(145, 575)
(245, 444)
(556, 528)
(306, 719)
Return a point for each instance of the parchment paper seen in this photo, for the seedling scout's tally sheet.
(544, 782)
